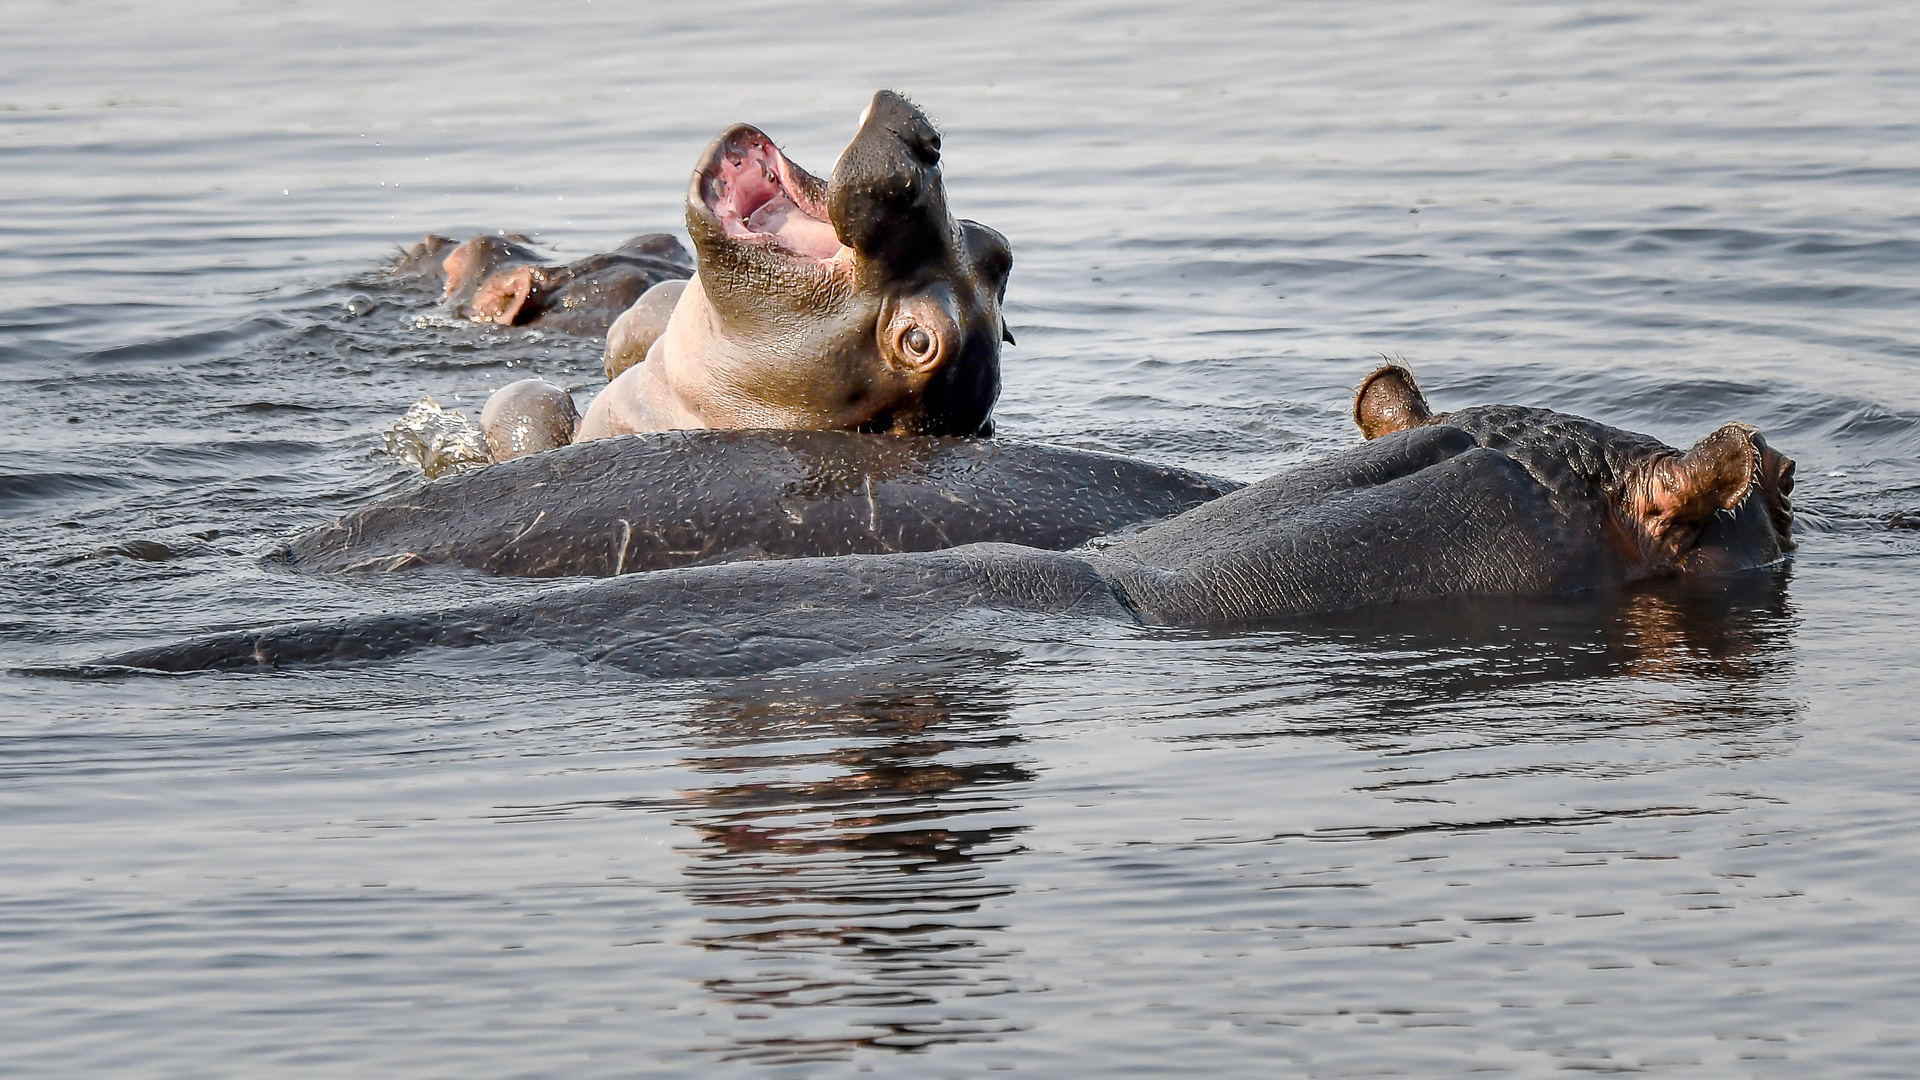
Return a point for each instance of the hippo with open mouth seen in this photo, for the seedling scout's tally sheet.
(857, 302)
(1490, 501)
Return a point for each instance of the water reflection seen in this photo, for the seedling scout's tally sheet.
(846, 846)
(1710, 658)
(1728, 624)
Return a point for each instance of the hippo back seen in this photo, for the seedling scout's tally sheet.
(644, 502)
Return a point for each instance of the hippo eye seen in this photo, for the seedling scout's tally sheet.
(920, 333)
(917, 341)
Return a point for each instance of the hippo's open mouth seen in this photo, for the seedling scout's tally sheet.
(758, 196)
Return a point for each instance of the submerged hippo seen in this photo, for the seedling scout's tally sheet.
(504, 280)
(854, 303)
(1499, 500)
(644, 502)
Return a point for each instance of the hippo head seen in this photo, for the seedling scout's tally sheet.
(854, 302)
(1724, 505)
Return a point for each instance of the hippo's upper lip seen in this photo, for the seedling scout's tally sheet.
(757, 196)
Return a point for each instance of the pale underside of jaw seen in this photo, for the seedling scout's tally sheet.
(749, 194)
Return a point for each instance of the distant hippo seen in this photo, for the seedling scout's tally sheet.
(1499, 500)
(855, 303)
(504, 280)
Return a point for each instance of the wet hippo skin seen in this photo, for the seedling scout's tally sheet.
(855, 302)
(1506, 502)
(1667, 509)
(504, 280)
(644, 502)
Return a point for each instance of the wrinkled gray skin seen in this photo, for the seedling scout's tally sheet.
(505, 281)
(1667, 511)
(645, 502)
(1427, 510)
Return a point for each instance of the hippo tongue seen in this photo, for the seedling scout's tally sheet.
(794, 228)
(753, 201)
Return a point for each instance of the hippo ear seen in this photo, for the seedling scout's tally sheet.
(1389, 401)
(991, 257)
(503, 297)
(455, 267)
(989, 253)
(1717, 474)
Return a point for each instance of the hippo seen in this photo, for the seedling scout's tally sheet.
(675, 498)
(1667, 508)
(853, 303)
(504, 280)
(1491, 501)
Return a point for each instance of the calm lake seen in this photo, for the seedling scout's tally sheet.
(1673, 832)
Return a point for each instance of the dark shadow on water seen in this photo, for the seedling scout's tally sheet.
(1707, 657)
(1727, 623)
(845, 846)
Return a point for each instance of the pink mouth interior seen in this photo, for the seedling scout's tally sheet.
(748, 192)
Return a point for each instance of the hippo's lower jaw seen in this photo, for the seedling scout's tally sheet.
(757, 196)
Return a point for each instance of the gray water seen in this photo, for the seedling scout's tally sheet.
(1671, 832)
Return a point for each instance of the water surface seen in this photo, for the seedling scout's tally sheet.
(1669, 832)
